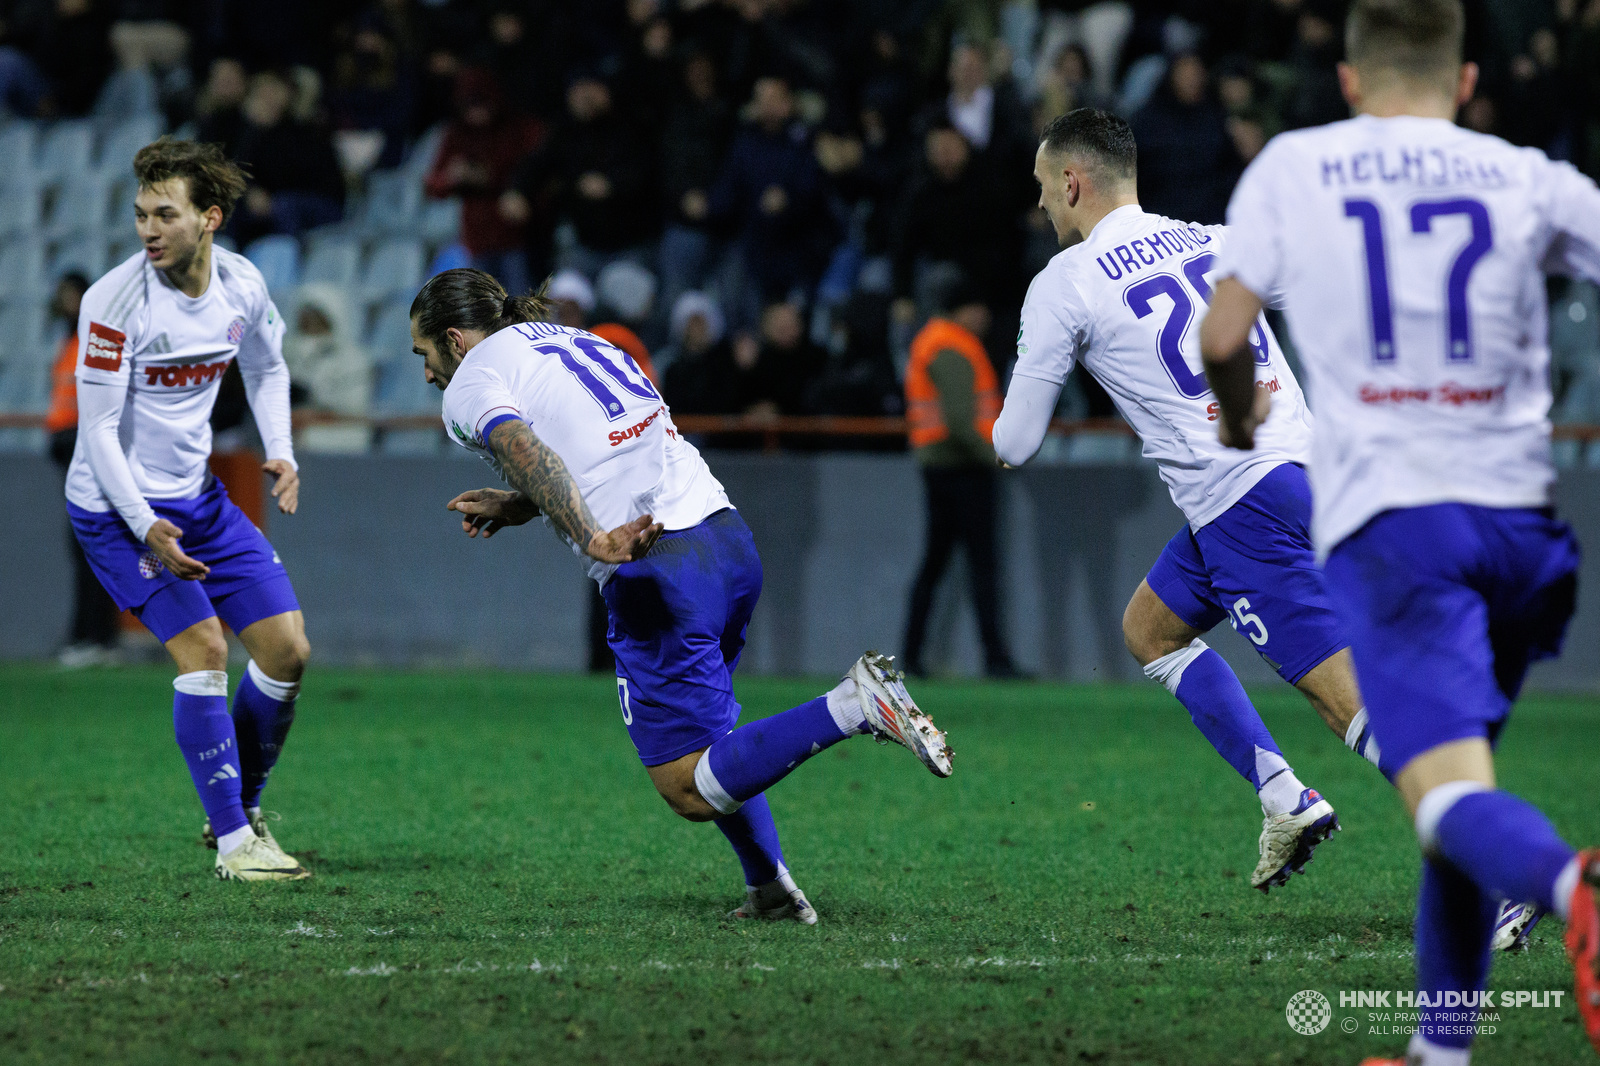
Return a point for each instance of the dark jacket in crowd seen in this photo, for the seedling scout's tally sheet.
(606, 145)
(789, 248)
(292, 156)
(960, 221)
(1187, 161)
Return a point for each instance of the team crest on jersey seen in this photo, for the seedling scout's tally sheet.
(236, 331)
(149, 566)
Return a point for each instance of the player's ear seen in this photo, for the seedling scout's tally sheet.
(1466, 83)
(458, 343)
(213, 217)
(1350, 86)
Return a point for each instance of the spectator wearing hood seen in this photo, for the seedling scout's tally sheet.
(571, 298)
(695, 367)
(329, 371)
(480, 149)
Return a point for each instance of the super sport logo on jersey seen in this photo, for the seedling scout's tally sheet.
(104, 351)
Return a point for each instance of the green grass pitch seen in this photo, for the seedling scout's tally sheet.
(497, 882)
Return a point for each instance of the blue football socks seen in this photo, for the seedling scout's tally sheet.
(205, 736)
(1508, 849)
(1455, 923)
(263, 711)
(754, 837)
(756, 756)
(1210, 691)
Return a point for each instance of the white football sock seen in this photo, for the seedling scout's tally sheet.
(1566, 882)
(228, 843)
(844, 704)
(1280, 788)
(1421, 1052)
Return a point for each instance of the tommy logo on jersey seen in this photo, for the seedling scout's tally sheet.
(192, 374)
(104, 351)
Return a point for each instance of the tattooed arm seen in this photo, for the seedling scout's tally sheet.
(545, 486)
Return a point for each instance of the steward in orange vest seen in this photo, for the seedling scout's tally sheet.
(952, 396)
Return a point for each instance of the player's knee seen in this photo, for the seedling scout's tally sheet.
(1140, 642)
(690, 805)
(286, 661)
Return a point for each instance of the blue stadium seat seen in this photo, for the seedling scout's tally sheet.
(334, 259)
(393, 203)
(124, 246)
(125, 140)
(390, 337)
(22, 339)
(278, 259)
(19, 143)
(440, 222)
(394, 268)
(420, 159)
(22, 266)
(20, 210)
(67, 149)
(85, 253)
(129, 93)
(402, 391)
(82, 204)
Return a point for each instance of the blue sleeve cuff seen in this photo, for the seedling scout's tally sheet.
(489, 427)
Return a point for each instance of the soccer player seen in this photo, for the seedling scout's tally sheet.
(1410, 254)
(155, 335)
(572, 424)
(1122, 298)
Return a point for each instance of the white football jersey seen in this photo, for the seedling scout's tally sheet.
(592, 405)
(1127, 302)
(1411, 253)
(165, 353)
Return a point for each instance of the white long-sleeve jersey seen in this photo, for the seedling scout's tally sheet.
(1127, 303)
(589, 402)
(150, 362)
(1410, 254)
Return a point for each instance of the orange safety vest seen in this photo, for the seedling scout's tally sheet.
(626, 339)
(923, 412)
(63, 412)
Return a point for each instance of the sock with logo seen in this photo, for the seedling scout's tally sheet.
(756, 756)
(1508, 849)
(1455, 922)
(205, 736)
(754, 837)
(263, 711)
(1210, 691)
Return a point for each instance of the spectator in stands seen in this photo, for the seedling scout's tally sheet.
(480, 149)
(597, 174)
(331, 372)
(696, 366)
(24, 92)
(770, 190)
(1188, 161)
(372, 92)
(949, 227)
(93, 639)
(989, 115)
(626, 292)
(952, 400)
(693, 142)
(295, 178)
(858, 377)
(771, 375)
(74, 50)
(571, 298)
(1318, 46)
(218, 110)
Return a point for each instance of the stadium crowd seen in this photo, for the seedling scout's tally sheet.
(773, 195)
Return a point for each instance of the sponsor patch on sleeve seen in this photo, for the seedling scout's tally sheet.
(105, 348)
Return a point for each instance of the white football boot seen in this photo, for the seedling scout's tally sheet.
(893, 715)
(776, 901)
(257, 860)
(1513, 924)
(1287, 840)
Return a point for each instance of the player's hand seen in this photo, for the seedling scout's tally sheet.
(286, 488)
(487, 511)
(163, 540)
(1243, 435)
(627, 542)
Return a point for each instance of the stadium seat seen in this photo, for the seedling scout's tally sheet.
(335, 259)
(393, 203)
(278, 259)
(19, 142)
(225, 242)
(82, 204)
(129, 93)
(420, 159)
(19, 211)
(22, 266)
(390, 337)
(402, 391)
(123, 247)
(440, 222)
(125, 140)
(67, 149)
(85, 253)
(394, 268)
(22, 325)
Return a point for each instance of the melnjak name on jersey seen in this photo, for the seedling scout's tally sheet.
(1413, 166)
(1151, 249)
(190, 374)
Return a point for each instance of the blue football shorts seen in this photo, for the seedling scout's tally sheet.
(1255, 566)
(247, 582)
(676, 623)
(1446, 607)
